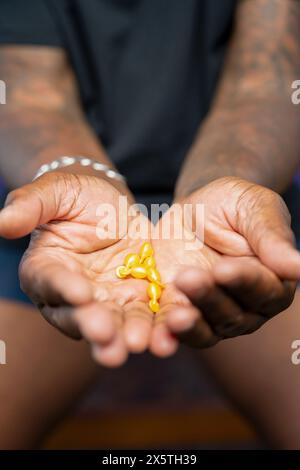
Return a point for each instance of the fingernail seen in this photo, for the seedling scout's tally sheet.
(169, 344)
(181, 320)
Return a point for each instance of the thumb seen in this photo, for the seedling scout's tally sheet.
(267, 229)
(31, 205)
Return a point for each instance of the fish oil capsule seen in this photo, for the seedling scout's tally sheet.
(149, 262)
(132, 259)
(122, 271)
(145, 251)
(154, 291)
(154, 276)
(139, 272)
(141, 266)
(154, 306)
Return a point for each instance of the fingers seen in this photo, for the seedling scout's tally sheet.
(33, 204)
(163, 342)
(96, 322)
(92, 321)
(114, 331)
(190, 327)
(280, 255)
(254, 286)
(56, 290)
(102, 325)
(62, 318)
(99, 323)
(236, 298)
(129, 329)
(49, 281)
(138, 322)
(181, 319)
(265, 222)
(112, 355)
(221, 312)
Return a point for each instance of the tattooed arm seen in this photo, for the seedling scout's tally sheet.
(43, 118)
(251, 133)
(253, 128)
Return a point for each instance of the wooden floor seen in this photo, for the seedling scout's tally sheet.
(152, 429)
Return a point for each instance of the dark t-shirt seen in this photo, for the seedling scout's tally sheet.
(147, 70)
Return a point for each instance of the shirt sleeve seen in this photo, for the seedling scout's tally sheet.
(28, 22)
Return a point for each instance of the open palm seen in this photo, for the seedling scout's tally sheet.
(240, 277)
(227, 287)
(69, 269)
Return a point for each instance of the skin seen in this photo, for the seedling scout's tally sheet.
(62, 102)
(259, 378)
(240, 278)
(257, 81)
(258, 392)
(69, 272)
(45, 375)
(43, 118)
(251, 125)
(252, 122)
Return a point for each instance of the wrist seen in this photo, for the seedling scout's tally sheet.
(78, 169)
(86, 166)
(189, 182)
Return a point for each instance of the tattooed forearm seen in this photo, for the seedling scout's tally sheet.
(253, 128)
(42, 118)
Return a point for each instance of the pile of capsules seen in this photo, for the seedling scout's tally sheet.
(142, 266)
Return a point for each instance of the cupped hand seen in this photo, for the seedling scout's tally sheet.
(244, 273)
(69, 268)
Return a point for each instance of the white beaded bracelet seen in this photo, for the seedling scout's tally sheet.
(65, 160)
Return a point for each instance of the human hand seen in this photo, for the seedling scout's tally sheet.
(69, 272)
(243, 275)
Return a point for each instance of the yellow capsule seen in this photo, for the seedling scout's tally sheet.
(149, 262)
(122, 271)
(139, 272)
(154, 306)
(154, 276)
(154, 291)
(145, 251)
(131, 260)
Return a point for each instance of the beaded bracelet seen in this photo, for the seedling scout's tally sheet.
(65, 160)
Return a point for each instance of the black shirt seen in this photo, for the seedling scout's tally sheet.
(147, 70)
